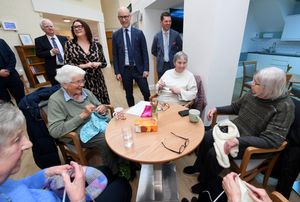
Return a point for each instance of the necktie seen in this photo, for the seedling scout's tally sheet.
(59, 56)
(166, 47)
(129, 48)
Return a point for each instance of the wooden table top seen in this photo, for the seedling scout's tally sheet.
(295, 78)
(147, 147)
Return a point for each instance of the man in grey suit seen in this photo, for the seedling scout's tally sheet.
(166, 44)
(130, 57)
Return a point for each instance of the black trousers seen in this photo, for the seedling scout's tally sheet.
(14, 85)
(209, 167)
(166, 66)
(289, 170)
(51, 77)
(131, 74)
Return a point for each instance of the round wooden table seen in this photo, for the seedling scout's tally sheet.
(147, 146)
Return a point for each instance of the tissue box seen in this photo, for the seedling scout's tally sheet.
(145, 125)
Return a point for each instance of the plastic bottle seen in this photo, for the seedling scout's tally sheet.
(154, 104)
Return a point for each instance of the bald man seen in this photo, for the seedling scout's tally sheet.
(51, 48)
(130, 57)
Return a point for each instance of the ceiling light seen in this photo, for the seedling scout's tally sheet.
(67, 20)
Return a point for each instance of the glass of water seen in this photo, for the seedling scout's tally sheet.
(127, 136)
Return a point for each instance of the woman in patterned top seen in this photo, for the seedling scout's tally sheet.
(86, 53)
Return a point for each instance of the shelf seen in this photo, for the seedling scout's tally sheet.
(38, 73)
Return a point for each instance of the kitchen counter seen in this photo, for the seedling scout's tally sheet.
(279, 54)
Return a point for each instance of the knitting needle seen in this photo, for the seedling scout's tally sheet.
(223, 192)
(64, 196)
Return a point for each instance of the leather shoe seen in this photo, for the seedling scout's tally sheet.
(190, 170)
(197, 188)
(194, 199)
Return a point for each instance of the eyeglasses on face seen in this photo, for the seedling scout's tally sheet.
(77, 26)
(181, 148)
(125, 17)
(82, 81)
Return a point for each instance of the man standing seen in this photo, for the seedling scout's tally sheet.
(9, 77)
(130, 57)
(166, 44)
(51, 48)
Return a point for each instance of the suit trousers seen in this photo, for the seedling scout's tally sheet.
(166, 66)
(130, 74)
(14, 85)
(51, 77)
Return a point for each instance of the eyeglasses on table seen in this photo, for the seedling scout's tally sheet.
(181, 148)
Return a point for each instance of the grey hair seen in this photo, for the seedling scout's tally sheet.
(273, 80)
(66, 73)
(42, 22)
(11, 120)
(180, 55)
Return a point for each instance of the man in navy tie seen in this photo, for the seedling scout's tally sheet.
(130, 57)
(51, 48)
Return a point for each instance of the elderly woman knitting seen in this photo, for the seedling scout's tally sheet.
(264, 116)
(177, 85)
(51, 183)
(71, 107)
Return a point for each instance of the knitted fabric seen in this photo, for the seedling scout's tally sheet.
(220, 139)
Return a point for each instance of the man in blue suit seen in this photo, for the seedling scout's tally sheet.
(130, 57)
(9, 77)
(166, 44)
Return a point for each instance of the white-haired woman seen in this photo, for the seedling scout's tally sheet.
(264, 116)
(177, 85)
(71, 107)
(13, 141)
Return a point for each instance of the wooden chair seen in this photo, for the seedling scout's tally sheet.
(249, 69)
(277, 197)
(70, 145)
(249, 167)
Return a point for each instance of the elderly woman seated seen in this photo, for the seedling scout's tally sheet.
(177, 85)
(264, 116)
(71, 107)
(14, 141)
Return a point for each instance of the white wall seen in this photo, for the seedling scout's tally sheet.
(110, 9)
(250, 32)
(27, 23)
(213, 34)
(84, 9)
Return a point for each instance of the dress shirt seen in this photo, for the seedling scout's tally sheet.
(125, 45)
(61, 50)
(166, 38)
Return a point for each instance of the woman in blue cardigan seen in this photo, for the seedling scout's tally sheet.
(51, 183)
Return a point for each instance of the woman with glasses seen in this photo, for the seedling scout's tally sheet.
(264, 116)
(86, 53)
(177, 85)
(71, 107)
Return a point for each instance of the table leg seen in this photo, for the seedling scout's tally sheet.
(158, 183)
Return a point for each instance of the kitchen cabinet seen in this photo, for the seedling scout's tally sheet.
(264, 60)
(291, 30)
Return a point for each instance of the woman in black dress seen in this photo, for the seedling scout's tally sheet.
(84, 52)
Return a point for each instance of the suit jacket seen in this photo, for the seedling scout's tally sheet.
(139, 46)
(43, 47)
(7, 57)
(175, 45)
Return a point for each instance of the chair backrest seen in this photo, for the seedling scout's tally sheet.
(249, 68)
(200, 100)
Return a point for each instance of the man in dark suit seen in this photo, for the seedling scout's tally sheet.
(9, 77)
(130, 57)
(166, 44)
(51, 48)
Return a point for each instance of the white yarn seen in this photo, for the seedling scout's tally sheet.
(220, 139)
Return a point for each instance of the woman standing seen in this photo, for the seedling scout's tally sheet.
(86, 53)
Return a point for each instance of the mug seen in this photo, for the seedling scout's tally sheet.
(194, 115)
(118, 113)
